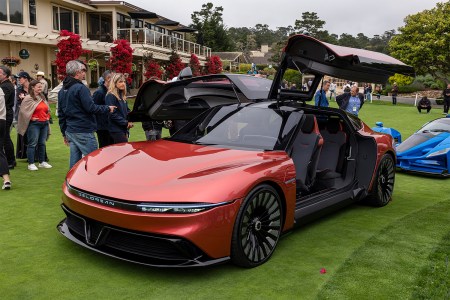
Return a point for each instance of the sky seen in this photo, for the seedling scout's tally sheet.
(343, 16)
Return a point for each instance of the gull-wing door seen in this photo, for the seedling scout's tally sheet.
(187, 98)
(308, 55)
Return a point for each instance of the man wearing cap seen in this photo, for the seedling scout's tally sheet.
(76, 113)
(41, 77)
(8, 91)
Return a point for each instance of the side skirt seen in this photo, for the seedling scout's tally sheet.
(310, 209)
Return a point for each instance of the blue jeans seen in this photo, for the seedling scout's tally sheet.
(36, 136)
(81, 144)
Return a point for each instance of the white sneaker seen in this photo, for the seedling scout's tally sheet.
(32, 167)
(45, 165)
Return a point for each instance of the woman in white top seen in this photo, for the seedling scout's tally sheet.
(4, 171)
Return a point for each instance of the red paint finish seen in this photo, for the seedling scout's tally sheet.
(181, 173)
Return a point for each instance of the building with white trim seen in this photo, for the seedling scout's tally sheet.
(34, 25)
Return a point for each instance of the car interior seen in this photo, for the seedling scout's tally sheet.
(321, 152)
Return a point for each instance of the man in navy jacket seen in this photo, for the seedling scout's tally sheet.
(76, 113)
(351, 102)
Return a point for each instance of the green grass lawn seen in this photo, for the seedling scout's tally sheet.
(400, 251)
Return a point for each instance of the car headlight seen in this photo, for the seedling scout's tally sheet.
(439, 152)
(178, 208)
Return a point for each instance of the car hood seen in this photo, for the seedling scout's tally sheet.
(166, 171)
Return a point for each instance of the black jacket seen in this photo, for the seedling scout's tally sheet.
(76, 109)
(9, 91)
(424, 103)
(342, 100)
(99, 99)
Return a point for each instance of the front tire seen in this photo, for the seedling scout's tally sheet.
(384, 182)
(257, 228)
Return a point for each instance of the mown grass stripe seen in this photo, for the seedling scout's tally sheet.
(388, 264)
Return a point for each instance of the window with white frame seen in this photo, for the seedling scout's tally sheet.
(66, 19)
(11, 11)
(32, 11)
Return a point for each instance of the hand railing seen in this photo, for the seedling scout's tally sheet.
(154, 38)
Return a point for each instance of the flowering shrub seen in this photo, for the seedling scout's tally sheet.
(175, 66)
(194, 63)
(68, 49)
(153, 70)
(213, 65)
(11, 61)
(121, 57)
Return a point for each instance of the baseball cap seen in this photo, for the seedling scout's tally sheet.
(23, 74)
(40, 73)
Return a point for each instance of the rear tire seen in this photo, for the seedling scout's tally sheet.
(384, 182)
(257, 228)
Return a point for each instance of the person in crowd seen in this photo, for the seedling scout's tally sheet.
(128, 81)
(293, 86)
(351, 102)
(394, 92)
(424, 103)
(104, 139)
(378, 89)
(153, 130)
(8, 90)
(22, 91)
(4, 170)
(15, 110)
(304, 87)
(41, 77)
(333, 87)
(76, 113)
(446, 94)
(369, 92)
(34, 115)
(347, 88)
(309, 84)
(117, 94)
(320, 98)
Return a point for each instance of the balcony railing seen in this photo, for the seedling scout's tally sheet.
(157, 39)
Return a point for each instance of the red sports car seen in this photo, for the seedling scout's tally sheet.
(253, 161)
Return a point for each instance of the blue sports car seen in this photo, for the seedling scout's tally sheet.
(428, 150)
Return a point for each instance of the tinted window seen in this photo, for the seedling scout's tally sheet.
(246, 127)
(253, 88)
(440, 125)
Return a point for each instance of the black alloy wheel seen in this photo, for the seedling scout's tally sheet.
(257, 227)
(384, 182)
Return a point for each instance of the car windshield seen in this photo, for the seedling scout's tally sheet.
(235, 126)
(427, 132)
(439, 125)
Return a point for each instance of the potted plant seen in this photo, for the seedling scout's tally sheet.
(11, 61)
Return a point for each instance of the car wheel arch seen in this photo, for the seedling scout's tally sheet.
(278, 189)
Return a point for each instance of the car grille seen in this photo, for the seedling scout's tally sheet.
(124, 243)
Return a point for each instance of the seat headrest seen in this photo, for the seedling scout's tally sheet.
(333, 125)
(308, 124)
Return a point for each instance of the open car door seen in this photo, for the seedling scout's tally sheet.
(187, 98)
(311, 56)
